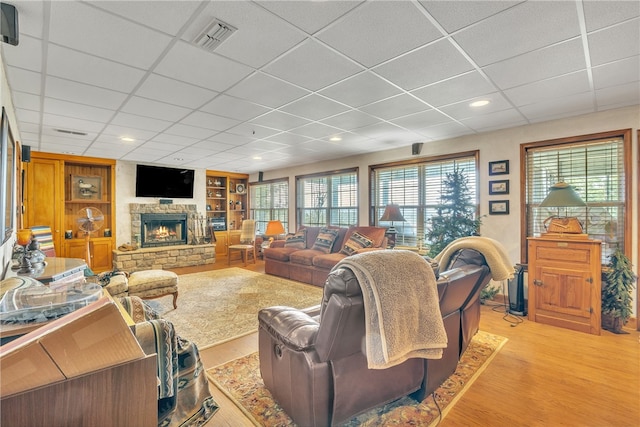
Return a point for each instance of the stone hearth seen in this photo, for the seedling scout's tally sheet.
(164, 257)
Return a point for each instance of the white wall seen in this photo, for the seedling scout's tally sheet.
(126, 194)
(493, 146)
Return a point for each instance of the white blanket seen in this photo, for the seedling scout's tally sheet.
(494, 253)
(402, 311)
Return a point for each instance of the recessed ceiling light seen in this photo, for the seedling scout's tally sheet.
(257, 158)
(178, 159)
(335, 139)
(480, 103)
(127, 139)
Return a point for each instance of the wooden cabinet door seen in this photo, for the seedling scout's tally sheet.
(44, 197)
(563, 291)
(222, 243)
(100, 251)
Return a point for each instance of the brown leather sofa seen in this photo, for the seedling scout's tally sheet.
(312, 266)
(314, 365)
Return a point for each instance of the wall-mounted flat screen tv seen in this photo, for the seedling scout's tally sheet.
(160, 181)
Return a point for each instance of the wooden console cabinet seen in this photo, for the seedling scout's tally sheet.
(565, 282)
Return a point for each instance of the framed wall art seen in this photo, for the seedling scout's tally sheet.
(86, 187)
(498, 207)
(500, 167)
(499, 187)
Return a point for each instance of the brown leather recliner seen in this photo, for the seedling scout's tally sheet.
(315, 366)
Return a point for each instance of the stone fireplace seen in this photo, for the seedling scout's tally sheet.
(161, 232)
(163, 229)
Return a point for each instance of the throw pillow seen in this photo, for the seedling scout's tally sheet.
(298, 240)
(324, 241)
(356, 242)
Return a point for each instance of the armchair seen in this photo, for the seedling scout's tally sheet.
(315, 365)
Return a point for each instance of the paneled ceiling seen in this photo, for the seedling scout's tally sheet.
(305, 81)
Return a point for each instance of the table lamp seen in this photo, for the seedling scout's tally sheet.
(274, 228)
(392, 213)
(23, 238)
(564, 195)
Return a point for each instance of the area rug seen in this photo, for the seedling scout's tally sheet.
(240, 380)
(215, 306)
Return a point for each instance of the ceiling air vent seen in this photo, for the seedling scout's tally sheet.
(70, 132)
(215, 33)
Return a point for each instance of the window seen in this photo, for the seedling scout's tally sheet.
(328, 199)
(416, 188)
(596, 166)
(269, 202)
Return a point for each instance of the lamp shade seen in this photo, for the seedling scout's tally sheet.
(392, 213)
(562, 194)
(274, 228)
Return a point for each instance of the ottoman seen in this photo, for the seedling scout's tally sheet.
(148, 284)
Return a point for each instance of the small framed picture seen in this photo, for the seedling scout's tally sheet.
(499, 168)
(498, 207)
(499, 187)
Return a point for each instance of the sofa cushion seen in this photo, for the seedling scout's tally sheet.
(328, 261)
(356, 242)
(298, 240)
(325, 240)
(376, 234)
(312, 234)
(304, 256)
(279, 254)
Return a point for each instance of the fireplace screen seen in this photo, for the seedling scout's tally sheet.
(163, 229)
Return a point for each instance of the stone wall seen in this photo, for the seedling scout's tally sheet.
(164, 257)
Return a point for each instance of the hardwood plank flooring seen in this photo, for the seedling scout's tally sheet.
(543, 376)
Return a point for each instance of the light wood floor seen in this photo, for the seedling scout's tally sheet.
(543, 376)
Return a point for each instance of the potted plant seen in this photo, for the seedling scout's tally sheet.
(616, 292)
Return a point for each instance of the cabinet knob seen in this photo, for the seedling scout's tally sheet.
(537, 282)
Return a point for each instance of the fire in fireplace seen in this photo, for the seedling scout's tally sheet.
(163, 229)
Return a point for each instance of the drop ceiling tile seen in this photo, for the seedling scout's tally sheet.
(172, 140)
(496, 120)
(454, 15)
(616, 73)
(619, 42)
(212, 146)
(618, 96)
(260, 37)
(446, 131)
(542, 64)
(400, 105)
(459, 88)
(61, 149)
(234, 108)
(361, 89)
(309, 16)
(145, 156)
(600, 14)
(288, 138)
(376, 24)
(24, 81)
(263, 145)
(140, 122)
(71, 123)
(65, 63)
(421, 120)
(53, 137)
(189, 131)
(312, 66)
(130, 132)
(280, 120)
(351, 119)
(28, 116)
(523, 28)
(387, 132)
(143, 45)
(230, 139)
(154, 109)
(266, 90)
(424, 66)
(252, 131)
(209, 121)
(462, 110)
(83, 94)
(314, 107)
(31, 16)
(531, 93)
(26, 101)
(171, 91)
(70, 109)
(29, 128)
(315, 130)
(560, 107)
(167, 16)
(189, 64)
(160, 147)
(27, 55)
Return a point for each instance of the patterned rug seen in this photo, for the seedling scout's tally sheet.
(215, 306)
(240, 380)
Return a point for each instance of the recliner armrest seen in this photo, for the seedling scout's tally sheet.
(294, 328)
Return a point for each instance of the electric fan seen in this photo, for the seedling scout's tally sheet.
(89, 220)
